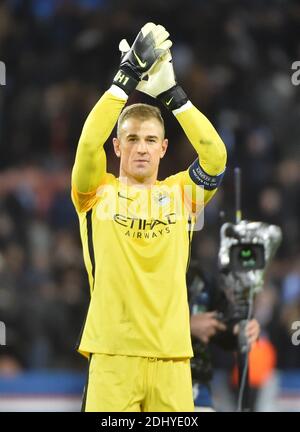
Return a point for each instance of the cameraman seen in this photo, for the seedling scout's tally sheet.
(210, 322)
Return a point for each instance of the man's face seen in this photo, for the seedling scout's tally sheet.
(140, 146)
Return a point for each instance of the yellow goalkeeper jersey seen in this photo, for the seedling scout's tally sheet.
(136, 242)
(136, 245)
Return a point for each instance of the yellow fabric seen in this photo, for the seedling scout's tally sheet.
(138, 384)
(136, 260)
(139, 298)
(90, 162)
(207, 143)
(205, 140)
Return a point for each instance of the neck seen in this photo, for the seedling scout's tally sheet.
(137, 181)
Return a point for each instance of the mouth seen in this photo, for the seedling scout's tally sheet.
(141, 161)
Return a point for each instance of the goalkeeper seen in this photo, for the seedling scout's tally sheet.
(136, 233)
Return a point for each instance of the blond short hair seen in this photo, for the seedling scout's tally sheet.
(141, 112)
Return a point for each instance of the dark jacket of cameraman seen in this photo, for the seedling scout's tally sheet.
(206, 296)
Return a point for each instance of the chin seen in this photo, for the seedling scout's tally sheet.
(141, 174)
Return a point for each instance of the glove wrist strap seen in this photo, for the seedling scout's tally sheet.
(173, 98)
(125, 80)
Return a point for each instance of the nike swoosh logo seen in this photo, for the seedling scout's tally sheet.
(168, 103)
(124, 196)
(142, 64)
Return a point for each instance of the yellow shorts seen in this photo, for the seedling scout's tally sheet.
(121, 383)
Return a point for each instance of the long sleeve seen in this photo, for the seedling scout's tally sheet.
(207, 170)
(205, 140)
(90, 162)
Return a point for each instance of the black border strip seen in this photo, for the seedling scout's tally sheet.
(89, 227)
(190, 242)
(89, 224)
(83, 405)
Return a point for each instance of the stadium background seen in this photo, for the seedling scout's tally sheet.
(234, 59)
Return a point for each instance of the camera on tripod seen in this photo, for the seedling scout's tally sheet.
(245, 251)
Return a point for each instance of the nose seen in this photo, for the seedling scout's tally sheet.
(142, 147)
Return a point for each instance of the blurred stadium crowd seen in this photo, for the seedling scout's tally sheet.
(233, 58)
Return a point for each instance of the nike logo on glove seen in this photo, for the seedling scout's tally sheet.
(142, 64)
(169, 101)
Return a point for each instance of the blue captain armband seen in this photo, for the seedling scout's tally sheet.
(200, 178)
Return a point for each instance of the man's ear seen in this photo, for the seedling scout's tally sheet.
(164, 147)
(116, 144)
